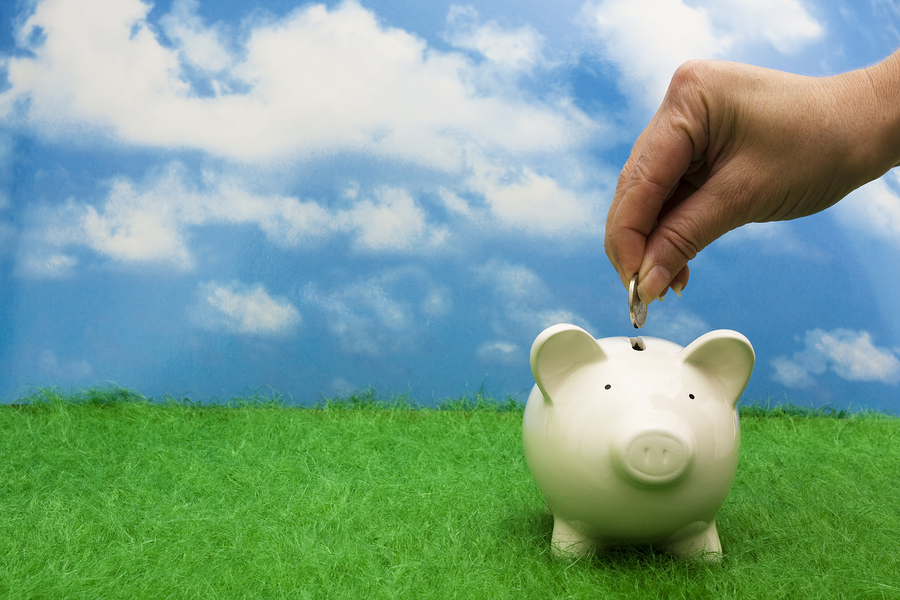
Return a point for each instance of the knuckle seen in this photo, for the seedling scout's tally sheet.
(644, 173)
(687, 248)
(690, 74)
(689, 97)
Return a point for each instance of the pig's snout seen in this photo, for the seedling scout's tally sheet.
(654, 453)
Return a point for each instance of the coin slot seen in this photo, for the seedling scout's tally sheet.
(638, 344)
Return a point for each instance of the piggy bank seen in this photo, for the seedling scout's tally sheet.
(635, 440)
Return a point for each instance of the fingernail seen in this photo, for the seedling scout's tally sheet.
(677, 287)
(652, 286)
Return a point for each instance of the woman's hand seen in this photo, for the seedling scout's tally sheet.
(733, 144)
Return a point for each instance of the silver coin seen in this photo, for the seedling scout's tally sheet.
(636, 309)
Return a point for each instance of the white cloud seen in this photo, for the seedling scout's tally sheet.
(511, 282)
(649, 39)
(244, 310)
(389, 220)
(286, 221)
(437, 303)
(849, 354)
(522, 304)
(137, 227)
(199, 45)
(454, 203)
(525, 200)
(503, 353)
(149, 223)
(382, 313)
(352, 191)
(45, 265)
(791, 373)
(874, 208)
(534, 320)
(73, 369)
(316, 81)
(855, 358)
(784, 24)
(132, 225)
(678, 325)
(43, 241)
(96, 63)
(520, 199)
(364, 316)
(393, 221)
(519, 49)
(311, 84)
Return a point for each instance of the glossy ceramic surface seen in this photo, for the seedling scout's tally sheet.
(635, 440)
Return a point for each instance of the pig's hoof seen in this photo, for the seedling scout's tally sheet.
(567, 542)
(698, 540)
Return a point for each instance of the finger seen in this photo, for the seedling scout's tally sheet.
(621, 185)
(691, 225)
(680, 282)
(664, 157)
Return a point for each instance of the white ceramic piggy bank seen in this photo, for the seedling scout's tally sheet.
(635, 440)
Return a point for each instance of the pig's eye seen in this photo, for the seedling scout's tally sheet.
(691, 396)
(607, 386)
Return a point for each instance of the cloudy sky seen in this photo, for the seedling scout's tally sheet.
(207, 199)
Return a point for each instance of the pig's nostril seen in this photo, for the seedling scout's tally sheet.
(654, 455)
(638, 344)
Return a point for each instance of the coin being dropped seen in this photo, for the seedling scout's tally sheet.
(636, 309)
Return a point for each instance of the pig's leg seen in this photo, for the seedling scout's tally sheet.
(703, 543)
(568, 541)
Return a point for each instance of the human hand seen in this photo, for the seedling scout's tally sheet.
(733, 144)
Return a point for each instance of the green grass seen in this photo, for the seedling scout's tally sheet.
(107, 495)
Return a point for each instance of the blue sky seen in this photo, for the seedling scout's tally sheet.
(211, 198)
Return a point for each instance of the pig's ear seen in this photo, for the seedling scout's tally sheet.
(558, 352)
(724, 355)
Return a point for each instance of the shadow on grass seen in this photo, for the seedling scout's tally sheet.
(534, 529)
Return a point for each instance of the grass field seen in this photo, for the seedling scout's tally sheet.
(110, 496)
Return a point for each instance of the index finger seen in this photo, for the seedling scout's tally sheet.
(660, 157)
